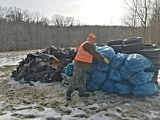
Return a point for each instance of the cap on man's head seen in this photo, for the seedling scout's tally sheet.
(92, 36)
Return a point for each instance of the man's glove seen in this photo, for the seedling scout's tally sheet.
(106, 60)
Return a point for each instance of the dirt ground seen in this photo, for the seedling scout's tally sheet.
(53, 96)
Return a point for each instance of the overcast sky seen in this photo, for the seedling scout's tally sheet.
(90, 12)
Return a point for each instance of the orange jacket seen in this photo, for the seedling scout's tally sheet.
(83, 55)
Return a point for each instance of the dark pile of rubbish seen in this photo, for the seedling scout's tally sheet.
(45, 66)
(131, 71)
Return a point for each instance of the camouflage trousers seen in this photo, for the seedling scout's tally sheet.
(79, 77)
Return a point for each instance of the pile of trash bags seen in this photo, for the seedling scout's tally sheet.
(125, 75)
(38, 66)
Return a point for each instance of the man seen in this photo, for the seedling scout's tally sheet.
(82, 64)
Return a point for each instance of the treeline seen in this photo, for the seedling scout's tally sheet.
(22, 30)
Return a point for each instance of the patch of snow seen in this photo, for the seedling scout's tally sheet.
(20, 107)
(152, 115)
(49, 112)
(93, 107)
(99, 116)
(28, 112)
(39, 115)
(68, 117)
(13, 58)
(13, 82)
(78, 113)
(6, 115)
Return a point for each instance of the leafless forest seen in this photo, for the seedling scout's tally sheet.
(23, 30)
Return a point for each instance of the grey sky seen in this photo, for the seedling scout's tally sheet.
(91, 12)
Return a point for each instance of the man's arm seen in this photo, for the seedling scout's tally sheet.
(91, 50)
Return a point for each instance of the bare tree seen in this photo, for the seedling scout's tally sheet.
(70, 21)
(44, 21)
(154, 26)
(139, 15)
(58, 20)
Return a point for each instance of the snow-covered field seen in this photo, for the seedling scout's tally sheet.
(13, 58)
(47, 101)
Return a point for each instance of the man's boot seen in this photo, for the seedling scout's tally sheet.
(84, 94)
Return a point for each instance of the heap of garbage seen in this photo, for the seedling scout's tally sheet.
(45, 66)
(133, 68)
(125, 75)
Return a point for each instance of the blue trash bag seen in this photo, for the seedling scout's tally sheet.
(141, 77)
(119, 60)
(101, 66)
(91, 87)
(99, 77)
(125, 73)
(100, 48)
(88, 77)
(68, 70)
(147, 89)
(123, 88)
(94, 65)
(115, 75)
(106, 51)
(136, 62)
(108, 87)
